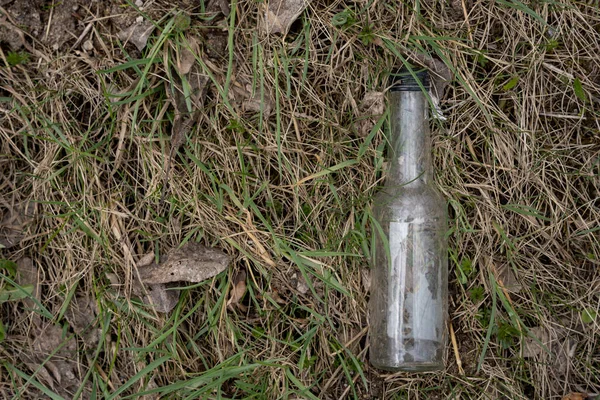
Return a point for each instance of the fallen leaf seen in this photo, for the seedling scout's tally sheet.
(508, 279)
(151, 385)
(55, 357)
(81, 314)
(533, 347)
(113, 279)
(278, 299)
(192, 262)
(439, 73)
(138, 33)
(299, 283)
(575, 396)
(187, 57)
(372, 106)
(238, 290)
(282, 13)
(146, 259)
(28, 274)
(553, 346)
(15, 220)
(160, 297)
(254, 104)
(42, 372)
(215, 6)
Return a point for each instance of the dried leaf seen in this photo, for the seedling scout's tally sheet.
(161, 298)
(366, 279)
(28, 274)
(508, 279)
(42, 373)
(60, 371)
(299, 283)
(278, 299)
(238, 290)
(575, 396)
(151, 385)
(81, 315)
(192, 262)
(533, 347)
(255, 105)
(372, 104)
(215, 6)
(440, 74)
(147, 259)
(187, 58)
(215, 44)
(282, 13)
(138, 33)
(14, 221)
(553, 345)
(113, 279)
(371, 107)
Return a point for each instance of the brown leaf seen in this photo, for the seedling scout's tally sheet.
(508, 279)
(575, 396)
(440, 74)
(215, 6)
(192, 262)
(278, 299)
(42, 372)
(146, 259)
(15, 220)
(27, 274)
(161, 298)
(138, 33)
(61, 370)
(187, 58)
(372, 106)
(533, 347)
(81, 315)
(299, 283)
(238, 290)
(254, 104)
(282, 13)
(553, 345)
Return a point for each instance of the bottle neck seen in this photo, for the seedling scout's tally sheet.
(410, 143)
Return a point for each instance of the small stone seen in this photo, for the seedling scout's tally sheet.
(87, 45)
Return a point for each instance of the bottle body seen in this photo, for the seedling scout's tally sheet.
(409, 282)
(408, 303)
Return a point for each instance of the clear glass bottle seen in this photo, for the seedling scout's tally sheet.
(409, 284)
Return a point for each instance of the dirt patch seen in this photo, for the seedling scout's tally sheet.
(23, 17)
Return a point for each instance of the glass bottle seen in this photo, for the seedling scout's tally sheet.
(409, 284)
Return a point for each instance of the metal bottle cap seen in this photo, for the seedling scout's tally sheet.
(403, 81)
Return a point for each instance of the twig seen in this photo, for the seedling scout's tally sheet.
(455, 348)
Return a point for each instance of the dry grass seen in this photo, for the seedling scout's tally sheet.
(518, 160)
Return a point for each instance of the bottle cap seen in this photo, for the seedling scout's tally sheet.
(403, 81)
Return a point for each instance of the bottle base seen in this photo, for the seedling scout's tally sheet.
(409, 367)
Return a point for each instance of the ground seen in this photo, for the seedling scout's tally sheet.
(257, 128)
